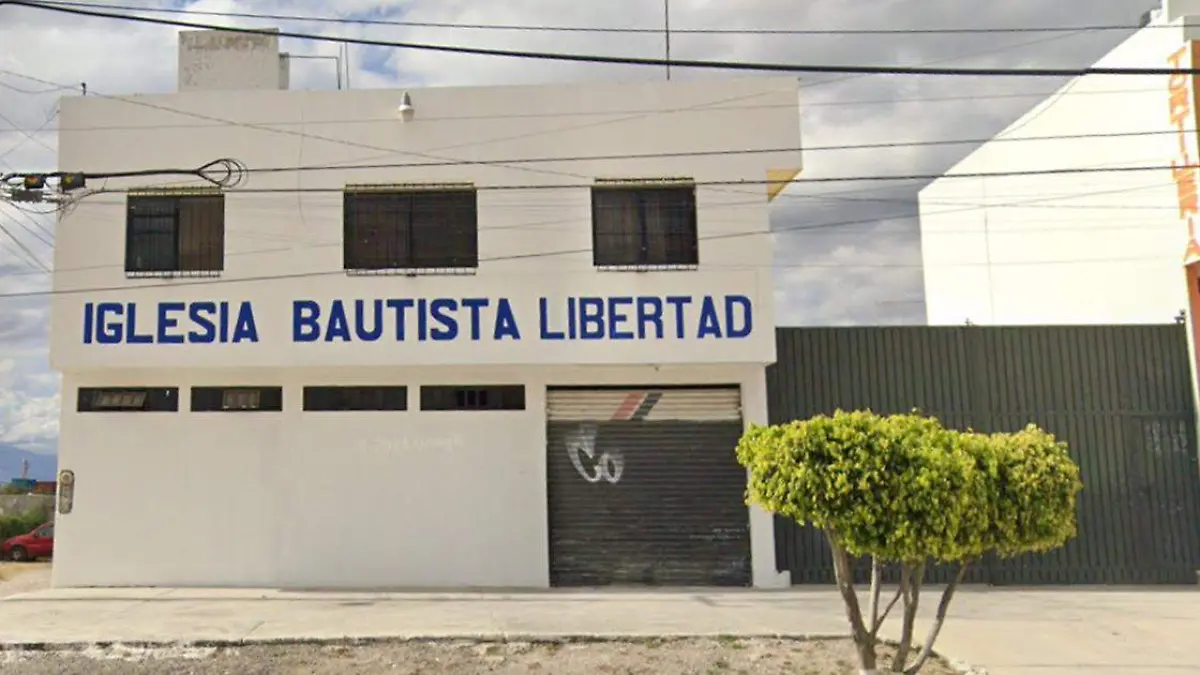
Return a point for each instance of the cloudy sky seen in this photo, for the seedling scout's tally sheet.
(867, 273)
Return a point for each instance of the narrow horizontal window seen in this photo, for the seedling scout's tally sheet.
(355, 398)
(128, 399)
(506, 397)
(237, 399)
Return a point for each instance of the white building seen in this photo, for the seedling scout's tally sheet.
(523, 364)
(1083, 247)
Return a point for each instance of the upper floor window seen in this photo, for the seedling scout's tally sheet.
(170, 234)
(411, 230)
(644, 225)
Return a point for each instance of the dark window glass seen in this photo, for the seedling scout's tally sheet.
(644, 226)
(237, 399)
(355, 398)
(507, 397)
(410, 230)
(184, 233)
(128, 399)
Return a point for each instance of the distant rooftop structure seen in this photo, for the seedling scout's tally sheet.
(213, 60)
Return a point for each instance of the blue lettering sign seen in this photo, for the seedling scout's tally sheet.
(587, 318)
(112, 323)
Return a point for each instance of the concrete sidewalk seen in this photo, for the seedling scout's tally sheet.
(1008, 632)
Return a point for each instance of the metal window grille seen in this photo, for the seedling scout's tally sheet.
(410, 230)
(644, 226)
(175, 234)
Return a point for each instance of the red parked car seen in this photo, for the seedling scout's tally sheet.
(26, 547)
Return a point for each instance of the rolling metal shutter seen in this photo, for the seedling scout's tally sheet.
(645, 489)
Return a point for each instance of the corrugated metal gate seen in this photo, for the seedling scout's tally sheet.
(644, 487)
(1120, 396)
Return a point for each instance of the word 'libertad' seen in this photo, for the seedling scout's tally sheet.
(438, 320)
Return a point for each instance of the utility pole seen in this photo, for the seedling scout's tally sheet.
(667, 33)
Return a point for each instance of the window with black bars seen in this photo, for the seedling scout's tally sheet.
(318, 399)
(237, 399)
(473, 397)
(644, 226)
(128, 399)
(411, 230)
(175, 234)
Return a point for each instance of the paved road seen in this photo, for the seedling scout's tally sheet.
(1009, 632)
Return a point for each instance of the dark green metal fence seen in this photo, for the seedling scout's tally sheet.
(1120, 396)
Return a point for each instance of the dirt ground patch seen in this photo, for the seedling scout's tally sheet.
(23, 578)
(658, 657)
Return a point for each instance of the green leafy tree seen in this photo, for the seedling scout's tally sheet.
(904, 490)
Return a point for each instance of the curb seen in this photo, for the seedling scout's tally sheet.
(960, 667)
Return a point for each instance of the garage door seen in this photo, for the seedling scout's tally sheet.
(645, 489)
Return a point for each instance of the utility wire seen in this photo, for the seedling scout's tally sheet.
(388, 151)
(712, 183)
(708, 153)
(591, 29)
(794, 229)
(23, 247)
(48, 239)
(643, 111)
(621, 60)
(638, 156)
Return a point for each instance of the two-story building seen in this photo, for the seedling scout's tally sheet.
(446, 337)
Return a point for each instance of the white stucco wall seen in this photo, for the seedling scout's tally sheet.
(386, 499)
(1075, 248)
(367, 499)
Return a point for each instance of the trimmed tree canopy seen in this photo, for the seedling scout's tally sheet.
(904, 488)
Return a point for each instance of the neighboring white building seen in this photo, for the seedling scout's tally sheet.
(1076, 248)
(282, 386)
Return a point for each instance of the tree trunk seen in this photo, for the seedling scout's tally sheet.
(876, 589)
(864, 643)
(912, 600)
(943, 606)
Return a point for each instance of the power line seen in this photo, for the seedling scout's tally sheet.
(621, 60)
(24, 248)
(48, 239)
(731, 235)
(592, 29)
(707, 153)
(640, 156)
(567, 114)
(392, 151)
(744, 182)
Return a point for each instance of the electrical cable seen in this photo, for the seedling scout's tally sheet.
(48, 239)
(621, 60)
(241, 168)
(586, 29)
(706, 153)
(565, 114)
(746, 182)
(729, 235)
(29, 252)
(224, 173)
(387, 151)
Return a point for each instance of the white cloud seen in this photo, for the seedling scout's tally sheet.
(865, 273)
(28, 420)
